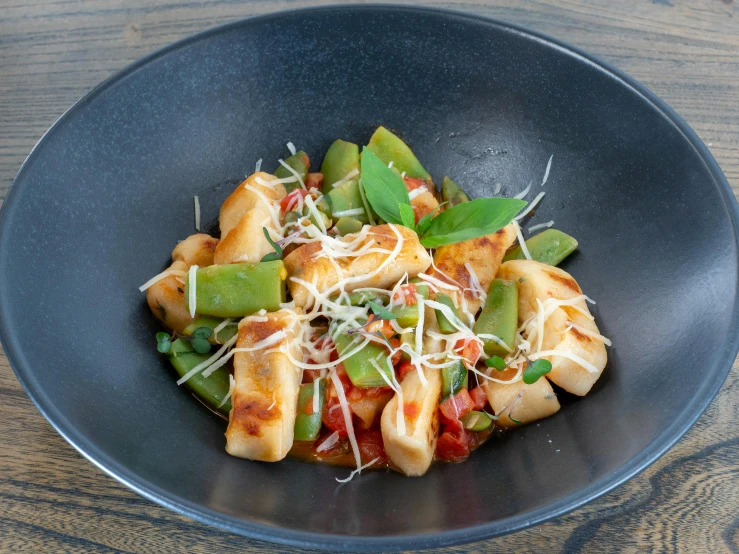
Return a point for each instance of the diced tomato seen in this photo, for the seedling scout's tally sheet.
(453, 446)
(340, 447)
(371, 446)
(413, 183)
(395, 343)
(469, 349)
(479, 398)
(455, 407)
(406, 295)
(381, 325)
(403, 368)
(333, 416)
(310, 374)
(291, 200)
(313, 181)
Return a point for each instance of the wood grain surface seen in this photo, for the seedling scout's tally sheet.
(52, 52)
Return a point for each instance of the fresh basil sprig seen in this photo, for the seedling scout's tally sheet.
(388, 195)
(277, 254)
(471, 220)
(536, 369)
(384, 189)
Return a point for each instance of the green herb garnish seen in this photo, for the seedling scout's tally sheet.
(381, 312)
(534, 370)
(497, 362)
(201, 346)
(407, 216)
(202, 333)
(277, 254)
(164, 342)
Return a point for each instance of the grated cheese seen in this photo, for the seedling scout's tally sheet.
(477, 289)
(198, 368)
(346, 178)
(192, 277)
(197, 213)
(316, 390)
(258, 166)
(262, 344)
(316, 214)
(540, 226)
(347, 421)
(295, 173)
(521, 240)
(348, 213)
(417, 192)
(521, 195)
(589, 333)
(357, 471)
(163, 275)
(291, 148)
(229, 394)
(329, 442)
(531, 206)
(546, 173)
(564, 354)
(222, 325)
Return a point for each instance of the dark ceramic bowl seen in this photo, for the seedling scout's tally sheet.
(104, 196)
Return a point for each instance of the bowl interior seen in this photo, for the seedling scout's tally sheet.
(106, 195)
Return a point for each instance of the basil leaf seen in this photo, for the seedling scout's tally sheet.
(380, 312)
(535, 370)
(407, 216)
(497, 362)
(471, 220)
(384, 189)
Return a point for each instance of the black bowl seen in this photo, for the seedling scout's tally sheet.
(104, 196)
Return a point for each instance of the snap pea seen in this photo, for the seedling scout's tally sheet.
(212, 389)
(476, 421)
(452, 193)
(548, 247)
(341, 159)
(389, 148)
(308, 422)
(346, 225)
(211, 323)
(359, 298)
(445, 326)
(236, 290)
(407, 316)
(361, 372)
(453, 378)
(300, 164)
(342, 198)
(499, 316)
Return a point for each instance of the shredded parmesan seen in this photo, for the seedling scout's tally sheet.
(419, 327)
(417, 192)
(357, 471)
(163, 275)
(531, 206)
(201, 366)
(258, 166)
(346, 178)
(291, 148)
(274, 338)
(222, 325)
(197, 213)
(316, 214)
(231, 384)
(295, 173)
(191, 281)
(546, 173)
(498, 186)
(329, 442)
(316, 389)
(589, 333)
(521, 240)
(477, 289)
(348, 213)
(546, 225)
(347, 421)
(564, 354)
(524, 192)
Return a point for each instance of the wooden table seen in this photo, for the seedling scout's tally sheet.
(52, 52)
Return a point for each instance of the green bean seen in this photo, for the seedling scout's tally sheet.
(476, 421)
(454, 378)
(307, 421)
(300, 163)
(341, 159)
(360, 370)
(359, 298)
(342, 198)
(211, 323)
(389, 148)
(446, 326)
(452, 193)
(347, 225)
(548, 247)
(236, 290)
(499, 317)
(407, 316)
(212, 389)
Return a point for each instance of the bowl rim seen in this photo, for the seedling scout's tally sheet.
(307, 539)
